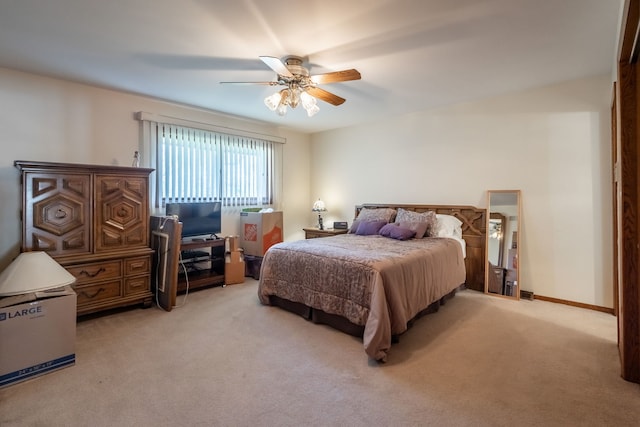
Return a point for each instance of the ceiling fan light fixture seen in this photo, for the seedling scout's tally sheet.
(300, 86)
(272, 101)
(309, 103)
(311, 111)
(294, 99)
(291, 97)
(285, 97)
(307, 100)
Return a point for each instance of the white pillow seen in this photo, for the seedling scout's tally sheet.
(448, 226)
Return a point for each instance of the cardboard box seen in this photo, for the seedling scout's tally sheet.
(234, 257)
(233, 243)
(38, 334)
(259, 231)
(233, 268)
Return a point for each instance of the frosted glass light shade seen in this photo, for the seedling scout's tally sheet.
(32, 272)
(309, 104)
(312, 110)
(291, 97)
(319, 206)
(273, 101)
(307, 100)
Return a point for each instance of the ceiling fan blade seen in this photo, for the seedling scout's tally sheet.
(250, 83)
(276, 65)
(337, 76)
(325, 96)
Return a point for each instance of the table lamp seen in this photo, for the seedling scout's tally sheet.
(319, 206)
(33, 272)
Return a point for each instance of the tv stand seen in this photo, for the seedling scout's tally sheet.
(202, 263)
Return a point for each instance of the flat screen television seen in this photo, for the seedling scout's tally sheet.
(198, 219)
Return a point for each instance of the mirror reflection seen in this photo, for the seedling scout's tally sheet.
(502, 276)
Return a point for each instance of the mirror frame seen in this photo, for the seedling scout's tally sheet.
(487, 269)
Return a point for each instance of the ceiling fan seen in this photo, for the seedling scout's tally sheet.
(300, 86)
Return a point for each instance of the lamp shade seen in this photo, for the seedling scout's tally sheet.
(32, 272)
(319, 206)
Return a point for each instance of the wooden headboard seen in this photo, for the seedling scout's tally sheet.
(474, 232)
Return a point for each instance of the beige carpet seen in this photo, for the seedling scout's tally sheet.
(224, 360)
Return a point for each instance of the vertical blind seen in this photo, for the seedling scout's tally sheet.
(195, 165)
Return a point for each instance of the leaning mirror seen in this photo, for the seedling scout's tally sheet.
(501, 272)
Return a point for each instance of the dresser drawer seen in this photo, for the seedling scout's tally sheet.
(134, 266)
(136, 285)
(90, 294)
(96, 271)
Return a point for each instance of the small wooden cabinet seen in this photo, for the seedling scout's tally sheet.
(93, 220)
(314, 233)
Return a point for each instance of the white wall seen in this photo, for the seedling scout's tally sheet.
(552, 143)
(47, 119)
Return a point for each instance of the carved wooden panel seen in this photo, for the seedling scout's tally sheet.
(121, 212)
(57, 213)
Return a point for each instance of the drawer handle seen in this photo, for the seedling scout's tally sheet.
(122, 212)
(94, 295)
(60, 214)
(86, 273)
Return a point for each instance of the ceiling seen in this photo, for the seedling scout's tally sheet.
(413, 54)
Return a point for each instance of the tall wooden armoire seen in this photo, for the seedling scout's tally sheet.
(93, 220)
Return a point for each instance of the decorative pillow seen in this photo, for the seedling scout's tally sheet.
(380, 214)
(367, 228)
(419, 228)
(429, 217)
(448, 226)
(354, 226)
(397, 232)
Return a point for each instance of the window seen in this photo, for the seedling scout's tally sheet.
(195, 165)
(201, 162)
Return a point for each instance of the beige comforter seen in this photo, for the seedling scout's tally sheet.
(372, 281)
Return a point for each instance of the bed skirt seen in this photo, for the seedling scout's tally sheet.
(344, 325)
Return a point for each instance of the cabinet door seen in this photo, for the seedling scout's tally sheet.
(122, 212)
(57, 213)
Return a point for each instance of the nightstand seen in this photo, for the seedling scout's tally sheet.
(313, 233)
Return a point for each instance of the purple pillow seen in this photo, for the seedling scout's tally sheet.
(397, 232)
(419, 227)
(367, 228)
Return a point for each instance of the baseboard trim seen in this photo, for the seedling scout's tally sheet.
(575, 304)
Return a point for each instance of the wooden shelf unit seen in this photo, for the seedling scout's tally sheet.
(205, 267)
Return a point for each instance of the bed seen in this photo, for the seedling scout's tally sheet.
(374, 285)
